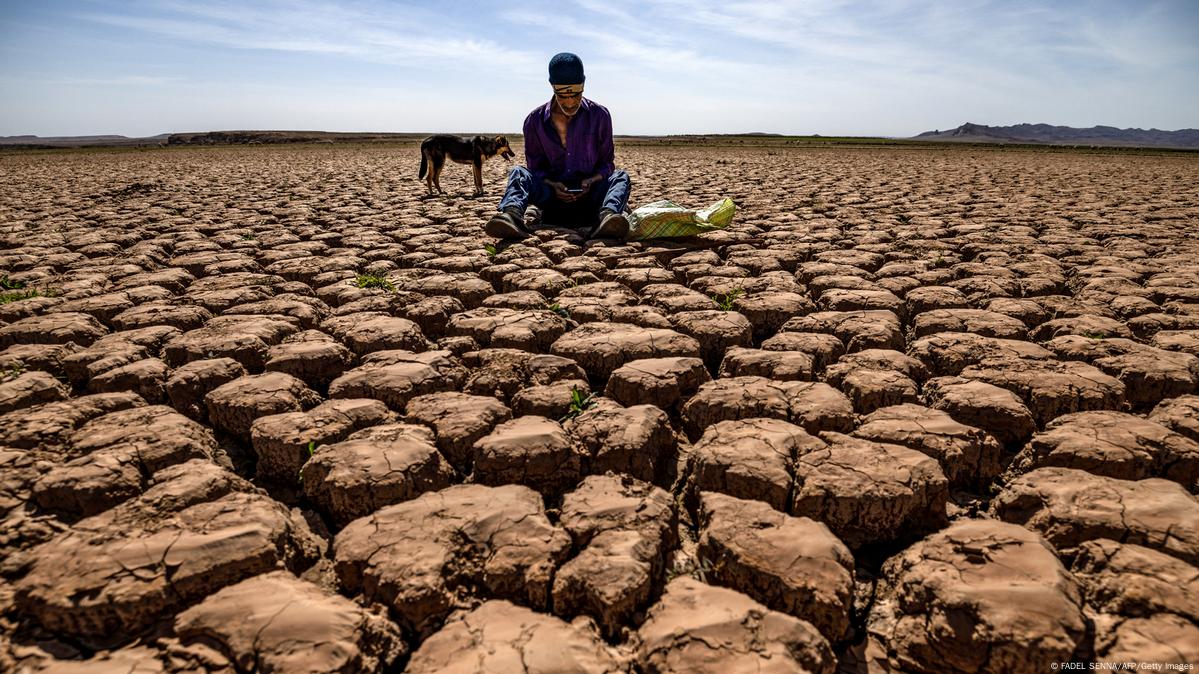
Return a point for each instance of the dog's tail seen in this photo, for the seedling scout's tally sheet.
(424, 163)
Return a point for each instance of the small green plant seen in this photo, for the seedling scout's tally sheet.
(9, 284)
(725, 301)
(557, 309)
(579, 401)
(698, 569)
(311, 450)
(17, 295)
(374, 281)
(491, 250)
(247, 237)
(1089, 334)
(13, 371)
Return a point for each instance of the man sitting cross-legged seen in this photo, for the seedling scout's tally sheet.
(571, 174)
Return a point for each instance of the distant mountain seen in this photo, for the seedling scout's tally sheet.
(79, 141)
(1066, 135)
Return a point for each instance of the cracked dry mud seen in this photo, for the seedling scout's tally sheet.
(916, 410)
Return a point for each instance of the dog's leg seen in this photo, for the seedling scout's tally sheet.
(478, 167)
(425, 171)
(437, 167)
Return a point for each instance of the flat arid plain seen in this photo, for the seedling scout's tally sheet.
(919, 409)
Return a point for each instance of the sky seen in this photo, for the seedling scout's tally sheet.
(832, 67)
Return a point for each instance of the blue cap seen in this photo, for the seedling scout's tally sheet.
(566, 68)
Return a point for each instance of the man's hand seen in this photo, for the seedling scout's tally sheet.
(560, 192)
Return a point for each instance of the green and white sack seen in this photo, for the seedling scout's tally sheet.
(666, 219)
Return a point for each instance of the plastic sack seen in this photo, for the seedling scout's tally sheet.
(665, 219)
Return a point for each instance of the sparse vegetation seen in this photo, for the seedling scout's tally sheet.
(374, 281)
(1094, 334)
(491, 250)
(698, 569)
(8, 284)
(311, 450)
(27, 293)
(725, 301)
(557, 309)
(11, 372)
(579, 402)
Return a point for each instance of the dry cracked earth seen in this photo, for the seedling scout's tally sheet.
(915, 411)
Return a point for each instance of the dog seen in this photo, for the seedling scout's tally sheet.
(435, 149)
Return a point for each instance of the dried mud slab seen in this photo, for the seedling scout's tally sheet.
(979, 596)
(532, 331)
(776, 365)
(395, 377)
(715, 330)
(29, 389)
(600, 348)
(282, 441)
(502, 373)
(1149, 374)
(749, 458)
(277, 622)
(246, 339)
(968, 456)
(310, 356)
(417, 557)
(112, 458)
(636, 441)
(623, 528)
(458, 421)
(869, 492)
(368, 332)
(499, 636)
(189, 384)
(665, 382)
(233, 407)
(996, 410)
(1070, 507)
(529, 450)
(859, 330)
(1179, 414)
(124, 569)
(712, 630)
(1143, 602)
(373, 468)
(814, 405)
(1051, 388)
(59, 328)
(1114, 444)
(948, 353)
(50, 425)
(791, 564)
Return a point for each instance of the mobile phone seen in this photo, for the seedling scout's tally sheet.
(574, 190)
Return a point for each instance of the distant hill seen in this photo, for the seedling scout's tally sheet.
(104, 140)
(1066, 135)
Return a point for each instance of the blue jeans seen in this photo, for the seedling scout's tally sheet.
(525, 190)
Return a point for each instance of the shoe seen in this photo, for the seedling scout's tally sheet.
(611, 226)
(507, 224)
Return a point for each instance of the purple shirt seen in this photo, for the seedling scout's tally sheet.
(588, 148)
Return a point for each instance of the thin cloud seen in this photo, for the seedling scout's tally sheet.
(314, 29)
(122, 81)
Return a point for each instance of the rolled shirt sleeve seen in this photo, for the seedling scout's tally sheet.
(536, 159)
(605, 162)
